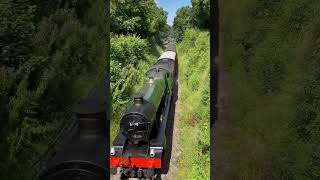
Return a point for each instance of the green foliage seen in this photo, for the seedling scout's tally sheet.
(181, 22)
(127, 61)
(17, 28)
(45, 72)
(200, 13)
(271, 49)
(194, 77)
(128, 49)
(196, 16)
(141, 17)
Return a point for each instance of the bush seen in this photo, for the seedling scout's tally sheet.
(128, 49)
(127, 67)
(271, 49)
(194, 59)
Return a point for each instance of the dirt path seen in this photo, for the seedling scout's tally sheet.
(174, 147)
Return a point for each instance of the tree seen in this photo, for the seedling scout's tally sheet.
(200, 14)
(17, 27)
(131, 17)
(181, 22)
(196, 16)
(140, 17)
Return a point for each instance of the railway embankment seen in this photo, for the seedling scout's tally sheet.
(194, 121)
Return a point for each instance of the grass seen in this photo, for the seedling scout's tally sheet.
(194, 74)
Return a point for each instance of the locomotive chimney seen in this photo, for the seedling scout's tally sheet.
(91, 116)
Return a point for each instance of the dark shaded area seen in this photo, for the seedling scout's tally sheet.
(51, 55)
(170, 124)
(271, 51)
(82, 152)
(214, 53)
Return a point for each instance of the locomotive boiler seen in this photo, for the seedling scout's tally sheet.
(138, 148)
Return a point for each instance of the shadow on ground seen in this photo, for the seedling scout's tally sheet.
(170, 127)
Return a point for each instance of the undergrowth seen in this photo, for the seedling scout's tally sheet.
(194, 76)
(271, 49)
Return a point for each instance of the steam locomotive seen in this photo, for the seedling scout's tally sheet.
(138, 149)
(82, 153)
